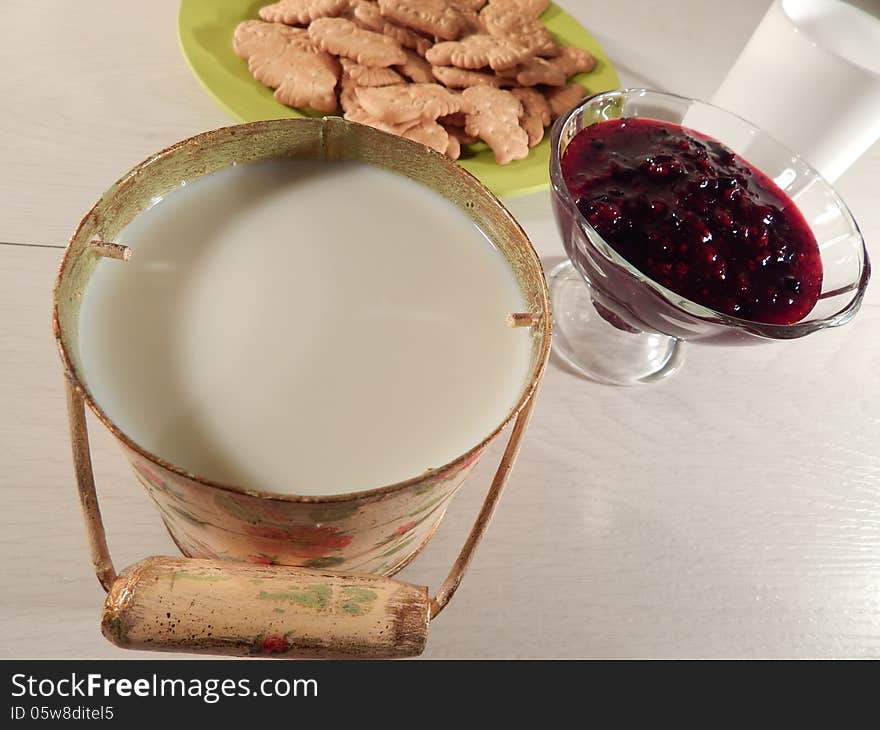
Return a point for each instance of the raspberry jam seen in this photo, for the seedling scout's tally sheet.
(695, 217)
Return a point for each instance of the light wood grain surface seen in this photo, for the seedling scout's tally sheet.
(733, 511)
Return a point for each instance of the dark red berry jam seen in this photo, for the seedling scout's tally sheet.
(695, 217)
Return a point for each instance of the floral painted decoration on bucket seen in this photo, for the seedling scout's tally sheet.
(369, 535)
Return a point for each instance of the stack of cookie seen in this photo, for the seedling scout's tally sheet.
(440, 72)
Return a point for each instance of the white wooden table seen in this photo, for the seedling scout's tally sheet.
(733, 511)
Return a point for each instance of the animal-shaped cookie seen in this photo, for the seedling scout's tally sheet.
(529, 8)
(536, 113)
(478, 51)
(493, 116)
(434, 17)
(302, 75)
(369, 17)
(454, 125)
(503, 19)
(370, 75)
(416, 68)
(343, 38)
(572, 60)
(256, 35)
(303, 12)
(461, 78)
(407, 102)
(540, 71)
(424, 131)
(563, 99)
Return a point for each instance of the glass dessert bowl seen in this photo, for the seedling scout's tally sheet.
(615, 322)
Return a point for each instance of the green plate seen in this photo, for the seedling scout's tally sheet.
(205, 30)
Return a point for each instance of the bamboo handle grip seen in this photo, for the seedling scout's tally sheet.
(216, 607)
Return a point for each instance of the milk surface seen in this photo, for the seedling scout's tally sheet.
(304, 328)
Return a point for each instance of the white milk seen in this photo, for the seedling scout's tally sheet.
(305, 328)
(810, 76)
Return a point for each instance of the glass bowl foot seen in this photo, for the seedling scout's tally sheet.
(598, 350)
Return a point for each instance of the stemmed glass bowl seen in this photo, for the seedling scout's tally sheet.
(613, 323)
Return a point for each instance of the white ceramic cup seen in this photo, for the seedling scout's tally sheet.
(810, 76)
